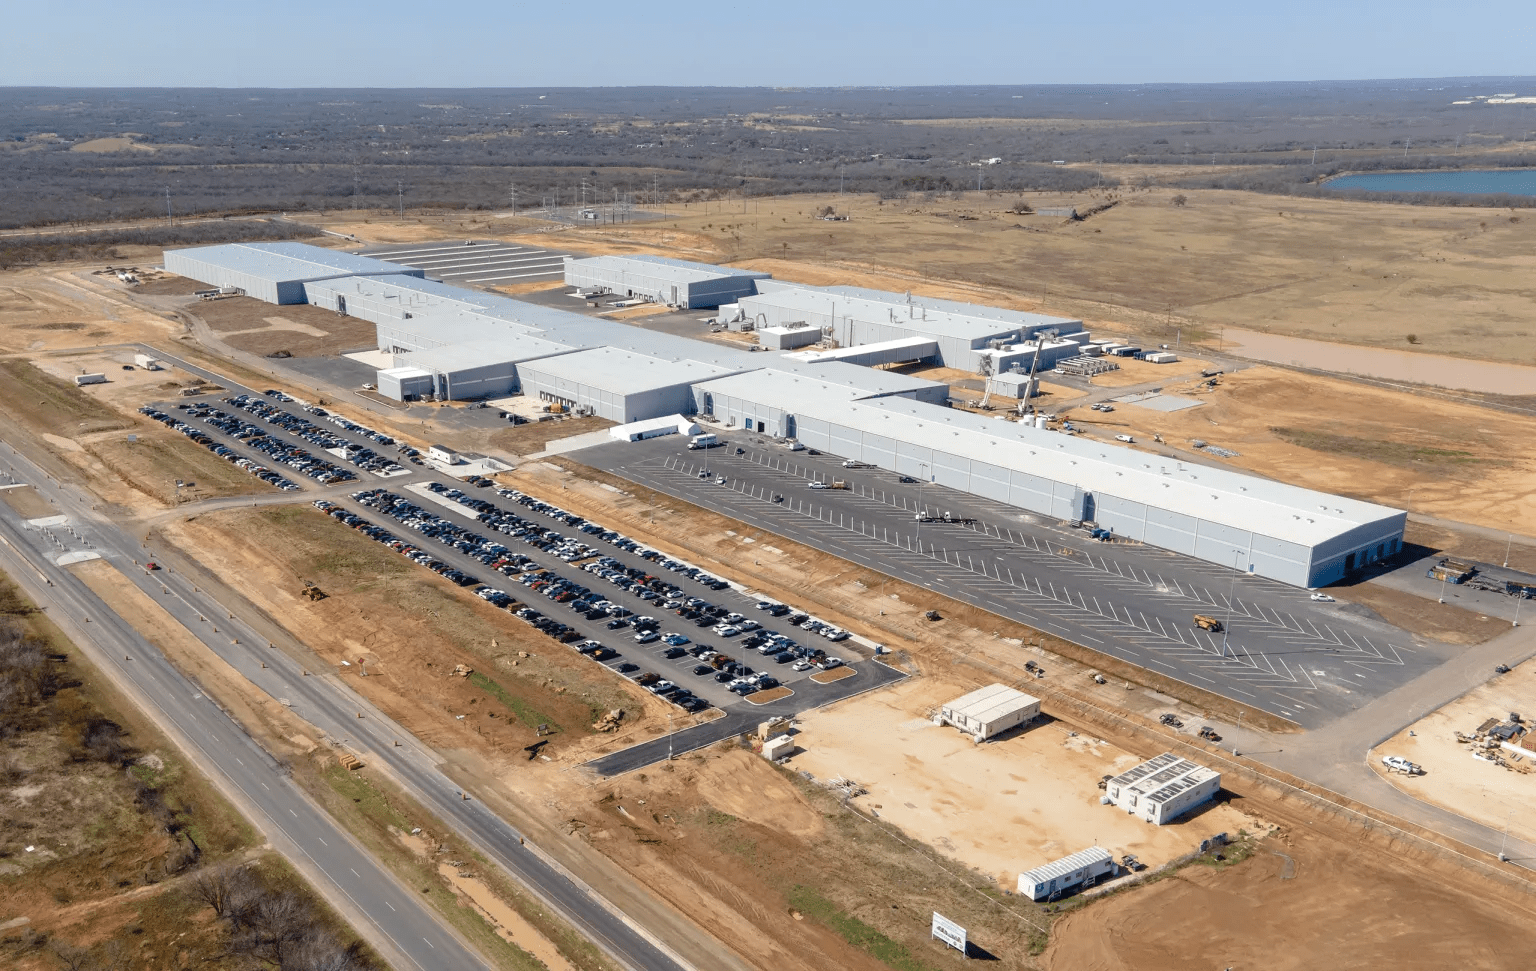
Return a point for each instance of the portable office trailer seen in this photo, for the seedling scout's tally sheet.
(81, 379)
(274, 272)
(444, 454)
(677, 283)
(1062, 876)
(1162, 788)
(990, 711)
(146, 362)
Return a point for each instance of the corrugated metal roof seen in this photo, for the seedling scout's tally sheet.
(993, 701)
(945, 318)
(287, 261)
(794, 392)
(914, 343)
(678, 271)
(622, 372)
(1215, 495)
(1066, 866)
(507, 349)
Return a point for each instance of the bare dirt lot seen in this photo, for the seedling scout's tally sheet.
(534, 436)
(1305, 899)
(1008, 805)
(1497, 796)
(1443, 458)
(301, 330)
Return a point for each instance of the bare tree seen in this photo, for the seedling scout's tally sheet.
(1180, 200)
(226, 888)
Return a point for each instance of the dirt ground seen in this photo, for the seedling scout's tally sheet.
(1494, 795)
(534, 436)
(1442, 621)
(1132, 371)
(69, 306)
(301, 330)
(1307, 898)
(409, 629)
(1441, 458)
(127, 459)
(1011, 804)
(1519, 551)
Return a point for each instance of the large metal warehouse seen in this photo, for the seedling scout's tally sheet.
(618, 385)
(676, 283)
(475, 369)
(770, 401)
(852, 317)
(274, 272)
(1294, 535)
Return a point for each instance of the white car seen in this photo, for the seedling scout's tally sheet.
(1322, 598)
(1399, 764)
(801, 665)
(725, 630)
(817, 485)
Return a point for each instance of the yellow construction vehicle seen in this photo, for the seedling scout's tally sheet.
(312, 592)
(1205, 622)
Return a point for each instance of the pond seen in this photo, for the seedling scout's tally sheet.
(1515, 182)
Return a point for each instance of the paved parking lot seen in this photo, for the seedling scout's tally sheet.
(1309, 662)
(286, 429)
(482, 263)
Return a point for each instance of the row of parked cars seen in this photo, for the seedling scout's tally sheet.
(380, 534)
(281, 452)
(224, 452)
(359, 455)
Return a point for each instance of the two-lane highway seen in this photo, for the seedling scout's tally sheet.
(385, 913)
(333, 708)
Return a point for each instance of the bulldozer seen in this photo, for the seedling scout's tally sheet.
(1206, 622)
(312, 592)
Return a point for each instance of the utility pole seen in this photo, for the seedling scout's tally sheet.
(1507, 546)
(1226, 628)
(400, 188)
(168, 217)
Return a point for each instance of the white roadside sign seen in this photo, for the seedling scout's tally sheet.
(949, 932)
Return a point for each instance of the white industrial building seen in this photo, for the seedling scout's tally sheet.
(460, 343)
(615, 384)
(854, 316)
(770, 401)
(989, 711)
(1161, 789)
(676, 283)
(639, 431)
(787, 338)
(274, 272)
(902, 350)
(1298, 536)
(1082, 869)
(1016, 384)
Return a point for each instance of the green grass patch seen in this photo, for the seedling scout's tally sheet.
(857, 933)
(1404, 454)
(47, 403)
(365, 798)
(526, 713)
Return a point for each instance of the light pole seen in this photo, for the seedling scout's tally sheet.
(1519, 600)
(1507, 546)
(1504, 843)
(1226, 628)
(923, 466)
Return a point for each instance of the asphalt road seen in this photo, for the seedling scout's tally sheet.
(1307, 662)
(333, 708)
(387, 914)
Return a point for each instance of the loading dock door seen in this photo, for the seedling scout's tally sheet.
(341, 304)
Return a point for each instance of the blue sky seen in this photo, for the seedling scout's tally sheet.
(473, 43)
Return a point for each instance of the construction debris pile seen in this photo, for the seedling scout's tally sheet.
(1509, 743)
(609, 722)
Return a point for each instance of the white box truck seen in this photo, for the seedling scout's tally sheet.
(706, 440)
(146, 362)
(82, 379)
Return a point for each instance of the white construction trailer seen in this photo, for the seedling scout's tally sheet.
(989, 711)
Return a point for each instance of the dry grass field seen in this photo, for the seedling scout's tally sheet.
(1458, 279)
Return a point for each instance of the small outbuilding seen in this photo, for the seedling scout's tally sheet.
(989, 711)
(676, 283)
(639, 431)
(1162, 788)
(1067, 874)
(444, 454)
